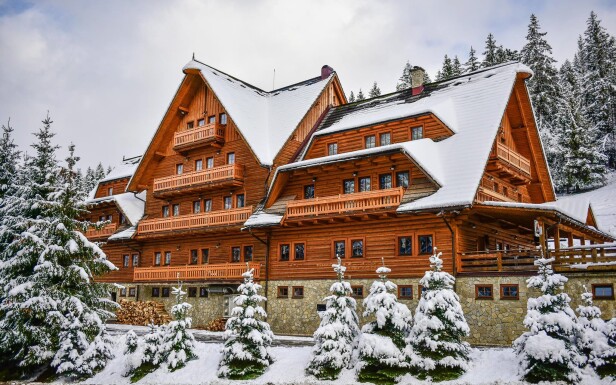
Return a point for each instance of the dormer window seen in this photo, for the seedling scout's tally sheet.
(417, 133)
(370, 141)
(332, 149)
(110, 191)
(222, 118)
(385, 139)
(201, 122)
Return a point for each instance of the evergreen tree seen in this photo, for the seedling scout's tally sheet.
(404, 82)
(374, 91)
(434, 347)
(9, 160)
(543, 86)
(456, 67)
(548, 351)
(351, 97)
(472, 64)
(447, 71)
(133, 353)
(336, 337)
(383, 340)
(490, 55)
(504, 55)
(246, 352)
(178, 342)
(360, 96)
(100, 173)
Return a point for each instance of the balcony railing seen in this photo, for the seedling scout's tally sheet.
(195, 221)
(601, 256)
(512, 158)
(345, 203)
(212, 132)
(230, 172)
(103, 232)
(220, 272)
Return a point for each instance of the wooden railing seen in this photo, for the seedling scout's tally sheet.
(497, 261)
(588, 256)
(209, 175)
(369, 200)
(512, 158)
(195, 272)
(487, 195)
(195, 221)
(211, 131)
(105, 231)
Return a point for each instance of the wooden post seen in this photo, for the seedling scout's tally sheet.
(557, 244)
(542, 238)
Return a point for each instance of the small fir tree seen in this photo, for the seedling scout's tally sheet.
(360, 96)
(248, 337)
(404, 82)
(133, 353)
(456, 67)
(435, 347)
(351, 97)
(374, 91)
(383, 340)
(446, 71)
(472, 64)
(336, 337)
(490, 55)
(9, 160)
(547, 351)
(178, 343)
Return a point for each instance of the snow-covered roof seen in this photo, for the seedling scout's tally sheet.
(131, 205)
(265, 119)
(124, 234)
(123, 170)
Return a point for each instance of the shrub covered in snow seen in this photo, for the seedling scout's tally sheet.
(548, 351)
(178, 342)
(247, 336)
(435, 347)
(593, 339)
(382, 340)
(336, 337)
(133, 353)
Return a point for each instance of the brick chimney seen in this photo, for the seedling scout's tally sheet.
(326, 71)
(417, 79)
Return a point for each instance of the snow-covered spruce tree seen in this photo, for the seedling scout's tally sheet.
(593, 337)
(178, 343)
(434, 346)
(351, 97)
(446, 70)
(456, 67)
(490, 55)
(248, 337)
(547, 351)
(360, 96)
(133, 353)
(9, 159)
(472, 64)
(404, 81)
(336, 337)
(382, 340)
(374, 91)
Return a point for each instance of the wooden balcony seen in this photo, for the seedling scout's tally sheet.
(211, 134)
(345, 204)
(195, 221)
(230, 175)
(509, 165)
(588, 257)
(218, 272)
(103, 232)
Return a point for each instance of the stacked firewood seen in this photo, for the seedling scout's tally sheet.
(217, 325)
(142, 313)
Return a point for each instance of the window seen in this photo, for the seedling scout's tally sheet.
(198, 164)
(283, 292)
(405, 292)
(165, 292)
(357, 248)
(205, 256)
(203, 292)
(209, 162)
(603, 291)
(228, 203)
(495, 187)
(179, 169)
(339, 249)
(132, 291)
(239, 200)
(110, 191)
(222, 118)
(509, 291)
(425, 244)
(357, 291)
(194, 257)
(309, 191)
(192, 292)
(284, 252)
(231, 158)
(505, 191)
(416, 133)
(364, 184)
(385, 181)
(207, 205)
(109, 217)
(157, 258)
(299, 251)
(190, 125)
(156, 292)
(125, 260)
(348, 186)
(176, 209)
(122, 219)
(483, 292)
(135, 260)
(123, 292)
(384, 139)
(196, 207)
(211, 119)
(102, 218)
(298, 292)
(402, 179)
(370, 141)
(201, 122)
(405, 245)
(332, 149)
(167, 258)
(235, 254)
(165, 211)
(247, 253)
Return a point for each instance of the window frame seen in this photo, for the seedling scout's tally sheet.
(190, 257)
(293, 250)
(207, 162)
(207, 260)
(155, 293)
(366, 137)
(220, 118)
(165, 211)
(167, 253)
(408, 172)
(205, 205)
(203, 293)
(288, 244)
(293, 296)
(412, 252)
(125, 260)
(196, 207)
(363, 247)
(175, 213)
(380, 137)
(252, 252)
(509, 297)
(391, 181)
(305, 189)
(158, 254)
(599, 285)
(198, 164)
(421, 127)
(344, 186)
(327, 146)
(333, 248)
(354, 287)
(239, 260)
(359, 184)
(190, 125)
(179, 168)
(484, 285)
(132, 291)
(282, 292)
(400, 287)
(211, 119)
(201, 122)
(135, 260)
(164, 292)
(192, 292)
(418, 235)
(237, 200)
(230, 156)
(225, 199)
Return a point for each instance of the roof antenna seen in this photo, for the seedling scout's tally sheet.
(274, 80)
(193, 56)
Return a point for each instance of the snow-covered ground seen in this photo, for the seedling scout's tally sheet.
(488, 366)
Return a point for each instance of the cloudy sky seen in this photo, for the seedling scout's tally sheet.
(107, 70)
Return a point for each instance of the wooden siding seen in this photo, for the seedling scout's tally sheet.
(115, 253)
(118, 185)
